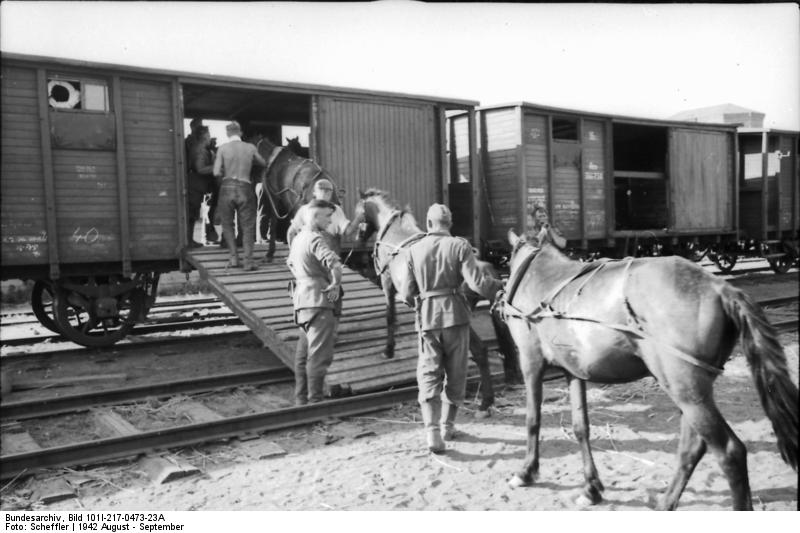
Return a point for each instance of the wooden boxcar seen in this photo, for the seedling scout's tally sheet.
(620, 185)
(94, 181)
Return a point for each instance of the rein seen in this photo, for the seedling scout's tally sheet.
(545, 309)
(396, 215)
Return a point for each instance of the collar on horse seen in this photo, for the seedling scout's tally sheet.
(380, 269)
(545, 310)
(272, 193)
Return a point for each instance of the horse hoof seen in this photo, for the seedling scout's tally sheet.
(482, 413)
(388, 355)
(516, 482)
(583, 501)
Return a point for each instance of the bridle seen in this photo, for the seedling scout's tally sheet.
(396, 248)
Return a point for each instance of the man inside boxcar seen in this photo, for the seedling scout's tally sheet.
(538, 229)
(340, 227)
(234, 162)
(201, 178)
(437, 266)
(194, 125)
(316, 296)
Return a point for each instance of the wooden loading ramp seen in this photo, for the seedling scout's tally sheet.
(261, 300)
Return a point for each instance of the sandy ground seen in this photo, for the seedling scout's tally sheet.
(634, 433)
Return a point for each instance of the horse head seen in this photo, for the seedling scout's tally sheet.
(367, 212)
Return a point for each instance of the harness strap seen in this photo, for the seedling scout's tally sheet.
(546, 311)
(380, 269)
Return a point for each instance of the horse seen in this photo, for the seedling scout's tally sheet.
(397, 229)
(294, 145)
(286, 183)
(619, 321)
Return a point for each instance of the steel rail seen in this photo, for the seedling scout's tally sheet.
(24, 409)
(118, 447)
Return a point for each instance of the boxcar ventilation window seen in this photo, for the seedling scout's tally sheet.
(565, 129)
(80, 114)
(79, 94)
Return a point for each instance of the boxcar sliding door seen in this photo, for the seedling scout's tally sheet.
(391, 146)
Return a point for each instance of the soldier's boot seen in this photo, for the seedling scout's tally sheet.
(431, 412)
(448, 421)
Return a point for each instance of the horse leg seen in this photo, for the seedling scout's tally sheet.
(532, 372)
(273, 230)
(389, 292)
(593, 488)
(691, 449)
(481, 357)
(730, 452)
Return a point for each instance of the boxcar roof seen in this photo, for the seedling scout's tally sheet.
(233, 81)
(620, 118)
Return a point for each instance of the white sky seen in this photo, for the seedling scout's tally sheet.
(638, 60)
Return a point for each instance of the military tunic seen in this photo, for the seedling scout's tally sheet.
(311, 261)
(437, 265)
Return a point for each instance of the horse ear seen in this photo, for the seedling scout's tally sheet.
(513, 238)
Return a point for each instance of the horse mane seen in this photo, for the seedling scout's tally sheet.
(409, 221)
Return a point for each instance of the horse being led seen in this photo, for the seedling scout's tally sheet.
(397, 229)
(619, 321)
(286, 182)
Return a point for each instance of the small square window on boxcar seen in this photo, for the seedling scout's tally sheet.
(88, 95)
(565, 129)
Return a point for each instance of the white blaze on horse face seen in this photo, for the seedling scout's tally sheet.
(513, 238)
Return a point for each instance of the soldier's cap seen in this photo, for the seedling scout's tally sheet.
(440, 213)
(321, 204)
(324, 185)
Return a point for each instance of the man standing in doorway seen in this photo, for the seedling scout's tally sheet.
(233, 164)
(438, 264)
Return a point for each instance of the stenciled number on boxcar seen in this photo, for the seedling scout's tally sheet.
(89, 237)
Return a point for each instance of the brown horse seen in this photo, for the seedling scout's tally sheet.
(286, 183)
(619, 321)
(396, 229)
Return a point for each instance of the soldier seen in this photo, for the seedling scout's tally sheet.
(317, 302)
(340, 227)
(437, 266)
(233, 163)
(201, 178)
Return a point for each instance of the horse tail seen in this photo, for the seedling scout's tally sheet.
(767, 363)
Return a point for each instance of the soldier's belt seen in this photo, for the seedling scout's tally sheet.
(438, 292)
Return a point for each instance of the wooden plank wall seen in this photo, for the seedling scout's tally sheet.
(700, 172)
(390, 146)
(147, 108)
(502, 170)
(566, 188)
(86, 205)
(594, 176)
(24, 231)
(534, 139)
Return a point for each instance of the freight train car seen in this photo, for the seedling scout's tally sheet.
(619, 185)
(94, 182)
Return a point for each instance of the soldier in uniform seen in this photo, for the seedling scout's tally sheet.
(340, 228)
(437, 266)
(317, 302)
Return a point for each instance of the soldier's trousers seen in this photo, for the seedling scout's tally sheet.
(236, 196)
(313, 353)
(442, 364)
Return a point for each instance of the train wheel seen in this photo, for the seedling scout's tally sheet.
(42, 297)
(96, 322)
(725, 262)
(697, 254)
(782, 264)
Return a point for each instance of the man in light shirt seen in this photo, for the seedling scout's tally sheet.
(340, 227)
(233, 163)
